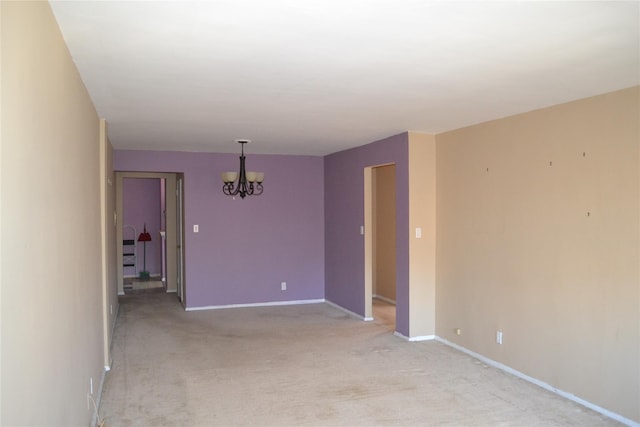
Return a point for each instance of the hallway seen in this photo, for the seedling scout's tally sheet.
(384, 314)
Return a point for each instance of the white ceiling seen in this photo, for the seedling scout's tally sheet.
(318, 76)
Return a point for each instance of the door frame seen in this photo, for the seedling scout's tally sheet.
(171, 226)
(180, 288)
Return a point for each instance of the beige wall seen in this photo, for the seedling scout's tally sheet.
(538, 225)
(422, 250)
(52, 309)
(384, 226)
(108, 224)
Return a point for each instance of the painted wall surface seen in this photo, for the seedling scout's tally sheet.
(245, 248)
(538, 236)
(52, 312)
(384, 242)
(142, 205)
(344, 214)
(422, 250)
(108, 225)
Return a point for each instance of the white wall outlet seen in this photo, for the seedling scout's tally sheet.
(499, 337)
(418, 233)
(283, 286)
(196, 228)
(458, 331)
(362, 230)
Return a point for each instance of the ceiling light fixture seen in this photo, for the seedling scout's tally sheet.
(249, 183)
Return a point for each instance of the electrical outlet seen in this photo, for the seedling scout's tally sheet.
(458, 331)
(499, 337)
(283, 286)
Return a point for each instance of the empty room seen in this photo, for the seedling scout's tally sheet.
(320, 213)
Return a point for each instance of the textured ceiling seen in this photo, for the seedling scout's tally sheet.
(315, 77)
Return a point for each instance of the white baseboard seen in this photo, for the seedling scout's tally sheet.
(276, 303)
(260, 304)
(98, 397)
(349, 312)
(542, 384)
(113, 328)
(417, 338)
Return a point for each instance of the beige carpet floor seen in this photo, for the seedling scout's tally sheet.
(306, 365)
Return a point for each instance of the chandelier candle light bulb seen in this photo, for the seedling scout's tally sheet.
(249, 183)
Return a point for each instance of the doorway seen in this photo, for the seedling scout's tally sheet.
(380, 246)
(143, 235)
(167, 232)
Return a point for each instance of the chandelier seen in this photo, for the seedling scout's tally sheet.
(249, 183)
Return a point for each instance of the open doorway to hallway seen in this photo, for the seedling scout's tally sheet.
(380, 248)
(143, 233)
(384, 313)
(159, 209)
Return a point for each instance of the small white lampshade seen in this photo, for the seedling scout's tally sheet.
(259, 177)
(251, 176)
(229, 176)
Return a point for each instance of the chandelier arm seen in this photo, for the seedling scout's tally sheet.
(228, 189)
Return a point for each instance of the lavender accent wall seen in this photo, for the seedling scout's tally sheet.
(141, 204)
(245, 248)
(344, 214)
